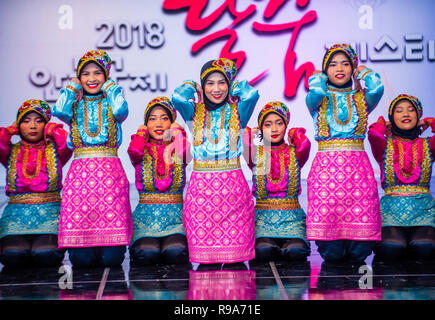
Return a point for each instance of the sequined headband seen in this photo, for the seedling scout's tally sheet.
(274, 107)
(414, 101)
(34, 105)
(163, 102)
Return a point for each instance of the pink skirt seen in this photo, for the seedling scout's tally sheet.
(343, 201)
(95, 207)
(218, 218)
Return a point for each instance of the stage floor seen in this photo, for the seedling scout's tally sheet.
(280, 280)
(310, 280)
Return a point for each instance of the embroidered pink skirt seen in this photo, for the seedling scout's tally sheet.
(95, 207)
(343, 201)
(218, 217)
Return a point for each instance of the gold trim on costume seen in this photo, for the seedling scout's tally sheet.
(35, 198)
(335, 111)
(50, 155)
(217, 165)
(277, 204)
(160, 198)
(397, 191)
(12, 167)
(361, 108)
(86, 121)
(341, 144)
(263, 165)
(95, 152)
(323, 128)
(202, 122)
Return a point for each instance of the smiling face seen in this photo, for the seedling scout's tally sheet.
(273, 128)
(158, 124)
(405, 116)
(92, 78)
(339, 69)
(216, 87)
(32, 127)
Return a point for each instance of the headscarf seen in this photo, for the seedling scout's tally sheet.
(278, 108)
(227, 68)
(411, 133)
(33, 105)
(163, 102)
(100, 57)
(348, 51)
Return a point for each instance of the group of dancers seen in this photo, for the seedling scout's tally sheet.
(218, 219)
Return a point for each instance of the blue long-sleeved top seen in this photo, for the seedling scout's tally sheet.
(95, 126)
(183, 101)
(342, 113)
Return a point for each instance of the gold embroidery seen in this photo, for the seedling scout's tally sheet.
(361, 108)
(349, 110)
(86, 120)
(293, 173)
(12, 167)
(426, 164)
(389, 163)
(75, 135)
(341, 144)
(160, 198)
(35, 198)
(50, 155)
(400, 191)
(112, 131)
(323, 128)
(95, 152)
(147, 177)
(260, 173)
(25, 162)
(217, 165)
(156, 174)
(203, 118)
(263, 164)
(221, 127)
(277, 204)
(198, 124)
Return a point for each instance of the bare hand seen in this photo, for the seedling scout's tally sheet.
(14, 124)
(317, 72)
(79, 95)
(143, 127)
(423, 125)
(388, 126)
(200, 93)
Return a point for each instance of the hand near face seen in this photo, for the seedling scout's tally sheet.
(79, 95)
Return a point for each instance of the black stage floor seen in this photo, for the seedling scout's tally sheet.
(279, 280)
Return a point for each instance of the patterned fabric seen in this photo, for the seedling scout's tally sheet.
(94, 120)
(100, 57)
(342, 113)
(163, 102)
(216, 132)
(274, 107)
(218, 218)
(408, 211)
(413, 100)
(38, 106)
(24, 219)
(280, 224)
(344, 48)
(33, 168)
(225, 66)
(157, 220)
(222, 285)
(343, 201)
(407, 163)
(95, 205)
